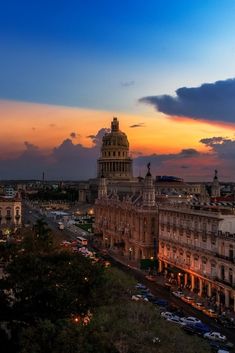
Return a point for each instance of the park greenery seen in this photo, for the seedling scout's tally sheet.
(55, 301)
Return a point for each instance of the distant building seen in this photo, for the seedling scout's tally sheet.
(9, 191)
(10, 214)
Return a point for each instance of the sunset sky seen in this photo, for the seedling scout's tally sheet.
(165, 68)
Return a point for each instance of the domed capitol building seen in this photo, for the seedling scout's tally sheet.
(115, 162)
(166, 220)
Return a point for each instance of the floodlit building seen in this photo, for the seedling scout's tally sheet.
(197, 245)
(128, 222)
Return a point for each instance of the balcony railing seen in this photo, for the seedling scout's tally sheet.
(226, 282)
(227, 258)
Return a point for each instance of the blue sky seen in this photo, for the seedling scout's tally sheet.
(107, 54)
(166, 67)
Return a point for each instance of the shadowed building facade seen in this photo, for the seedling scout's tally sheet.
(128, 223)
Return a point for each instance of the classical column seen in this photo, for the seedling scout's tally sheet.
(217, 297)
(209, 289)
(227, 295)
(192, 282)
(185, 279)
(200, 287)
(160, 266)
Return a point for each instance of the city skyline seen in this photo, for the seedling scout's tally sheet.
(166, 71)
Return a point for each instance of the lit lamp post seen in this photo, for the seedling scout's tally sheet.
(154, 254)
(130, 253)
(179, 279)
(105, 242)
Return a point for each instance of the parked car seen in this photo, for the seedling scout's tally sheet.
(198, 306)
(176, 320)
(226, 322)
(138, 297)
(210, 312)
(198, 328)
(160, 302)
(219, 347)
(150, 297)
(151, 278)
(140, 286)
(187, 299)
(166, 314)
(191, 320)
(178, 294)
(167, 286)
(215, 336)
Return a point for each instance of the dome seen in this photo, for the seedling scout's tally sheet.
(115, 161)
(115, 137)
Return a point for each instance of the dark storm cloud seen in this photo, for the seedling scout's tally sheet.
(127, 83)
(137, 125)
(210, 101)
(157, 159)
(213, 140)
(224, 148)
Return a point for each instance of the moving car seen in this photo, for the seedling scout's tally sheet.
(215, 336)
(187, 299)
(198, 306)
(178, 294)
(210, 312)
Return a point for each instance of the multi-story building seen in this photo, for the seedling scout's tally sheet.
(10, 214)
(198, 247)
(128, 222)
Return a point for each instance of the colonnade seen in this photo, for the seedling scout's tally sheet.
(212, 288)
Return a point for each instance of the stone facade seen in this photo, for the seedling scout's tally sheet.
(201, 246)
(128, 223)
(10, 213)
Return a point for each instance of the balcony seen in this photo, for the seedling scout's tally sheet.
(226, 258)
(226, 282)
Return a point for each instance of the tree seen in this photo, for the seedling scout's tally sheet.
(132, 326)
(61, 337)
(52, 286)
